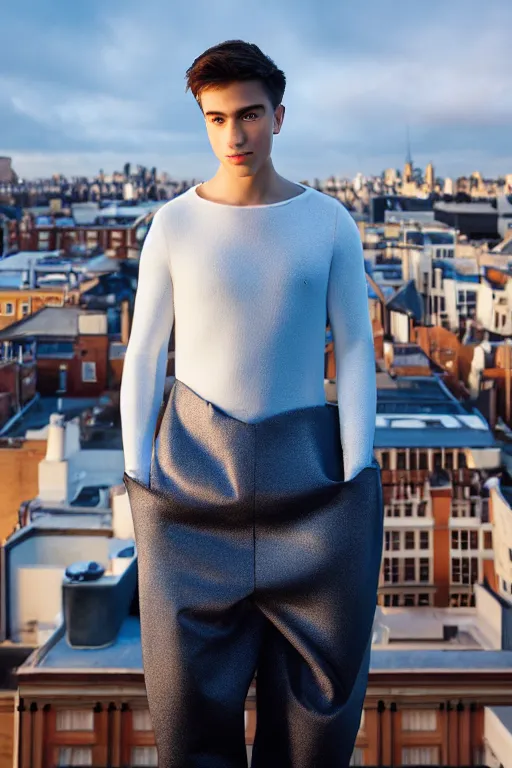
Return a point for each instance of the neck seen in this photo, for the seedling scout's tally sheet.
(264, 186)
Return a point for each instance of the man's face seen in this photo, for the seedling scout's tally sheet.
(240, 127)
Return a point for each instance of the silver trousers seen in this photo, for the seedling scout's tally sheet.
(255, 557)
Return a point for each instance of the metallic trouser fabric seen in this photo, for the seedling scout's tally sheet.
(255, 556)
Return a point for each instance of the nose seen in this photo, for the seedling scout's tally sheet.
(237, 143)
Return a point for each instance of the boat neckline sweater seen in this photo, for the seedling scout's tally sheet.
(248, 290)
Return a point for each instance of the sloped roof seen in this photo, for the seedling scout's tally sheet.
(407, 300)
(48, 321)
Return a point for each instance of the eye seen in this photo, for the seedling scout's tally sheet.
(246, 115)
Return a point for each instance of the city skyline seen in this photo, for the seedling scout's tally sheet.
(92, 87)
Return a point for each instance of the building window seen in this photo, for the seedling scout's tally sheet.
(424, 569)
(419, 720)
(420, 755)
(55, 349)
(392, 600)
(74, 720)
(144, 756)
(410, 569)
(89, 371)
(462, 599)
(76, 756)
(464, 570)
(422, 509)
(464, 539)
(391, 570)
(141, 720)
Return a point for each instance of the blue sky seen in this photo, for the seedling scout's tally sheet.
(91, 85)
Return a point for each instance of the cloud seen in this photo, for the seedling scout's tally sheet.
(109, 78)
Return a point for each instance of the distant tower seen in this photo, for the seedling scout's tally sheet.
(6, 172)
(430, 178)
(448, 186)
(408, 174)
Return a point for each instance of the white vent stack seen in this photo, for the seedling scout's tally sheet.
(53, 469)
(56, 438)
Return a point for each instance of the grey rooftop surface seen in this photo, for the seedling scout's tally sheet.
(37, 416)
(126, 654)
(420, 412)
(61, 322)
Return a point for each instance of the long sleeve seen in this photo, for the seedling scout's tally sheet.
(347, 305)
(145, 362)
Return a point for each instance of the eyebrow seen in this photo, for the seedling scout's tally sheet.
(239, 111)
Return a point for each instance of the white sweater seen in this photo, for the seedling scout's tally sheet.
(249, 288)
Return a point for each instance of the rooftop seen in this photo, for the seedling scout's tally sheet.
(125, 655)
(419, 411)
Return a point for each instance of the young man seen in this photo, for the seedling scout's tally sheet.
(258, 506)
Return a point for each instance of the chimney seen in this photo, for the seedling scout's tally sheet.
(125, 322)
(53, 469)
(56, 437)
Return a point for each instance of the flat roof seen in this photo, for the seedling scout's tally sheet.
(37, 416)
(126, 654)
(419, 412)
(22, 259)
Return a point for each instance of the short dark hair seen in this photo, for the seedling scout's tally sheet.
(235, 60)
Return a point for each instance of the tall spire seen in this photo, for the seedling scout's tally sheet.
(409, 157)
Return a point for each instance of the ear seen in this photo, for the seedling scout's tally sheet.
(279, 117)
